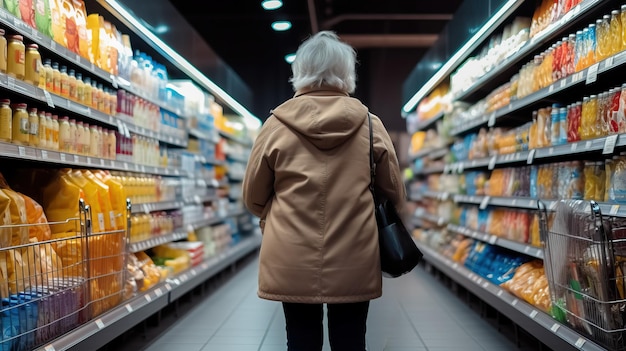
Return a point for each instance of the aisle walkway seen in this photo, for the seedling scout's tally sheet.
(416, 312)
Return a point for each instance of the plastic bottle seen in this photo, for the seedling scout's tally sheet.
(94, 141)
(579, 50)
(16, 57)
(86, 139)
(55, 132)
(622, 17)
(33, 64)
(56, 78)
(71, 79)
(592, 43)
(87, 92)
(602, 35)
(555, 126)
(49, 131)
(593, 116)
(73, 133)
(43, 126)
(65, 137)
(562, 125)
(101, 98)
(112, 145)
(65, 82)
(33, 125)
(615, 29)
(48, 75)
(3, 52)
(80, 88)
(95, 95)
(6, 121)
(80, 131)
(21, 129)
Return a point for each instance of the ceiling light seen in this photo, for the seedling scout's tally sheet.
(272, 4)
(280, 26)
(290, 58)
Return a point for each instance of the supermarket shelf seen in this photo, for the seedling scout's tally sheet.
(587, 75)
(157, 206)
(522, 248)
(237, 158)
(423, 216)
(550, 33)
(34, 154)
(97, 333)
(432, 153)
(430, 170)
(203, 135)
(163, 137)
(555, 335)
(214, 219)
(158, 240)
(191, 278)
(239, 140)
(423, 125)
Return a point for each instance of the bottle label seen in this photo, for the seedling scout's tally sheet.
(20, 56)
(24, 126)
(34, 128)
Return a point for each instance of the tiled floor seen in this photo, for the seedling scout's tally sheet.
(416, 312)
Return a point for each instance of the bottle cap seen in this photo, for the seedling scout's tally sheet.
(32, 46)
(7, 101)
(17, 37)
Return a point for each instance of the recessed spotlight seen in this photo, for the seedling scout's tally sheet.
(272, 4)
(290, 58)
(280, 26)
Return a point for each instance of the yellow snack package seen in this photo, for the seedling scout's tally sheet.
(5, 220)
(104, 199)
(60, 202)
(92, 198)
(35, 216)
(118, 196)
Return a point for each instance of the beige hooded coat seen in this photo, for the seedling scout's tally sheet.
(307, 179)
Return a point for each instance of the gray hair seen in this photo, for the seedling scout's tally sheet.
(323, 59)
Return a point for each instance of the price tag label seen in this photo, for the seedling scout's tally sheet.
(129, 308)
(49, 347)
(551, 88)
(514, 202)
(484, 202)
(492, 162)
(48, 97)
(580, 342)
(126, 166)
(62, 156)
(574, 147)
(592, 74)
(21, 151)
(555, 327)
(440, 221)
(493, 239)
(148, 298)
(514, 302)
(526, 249)
(608, 62)
(113, 165)
(53, 45)
(551, 151)
(76, 159)
(44, 154)
(609, 144)
(460, 168)
(492, 120)
(485, 285)
(531, 156)
(102, 162)
(446, 169)
(533, 314)
(614, 209)
(89, 160)
(99, 323)
(158, 292)
(588, 144)
(10, 82)
(113, 81)
(499, 293)
(563, 83)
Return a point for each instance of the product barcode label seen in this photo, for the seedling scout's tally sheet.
(484, 202)
(533, 314)
(129, 308)
(148, 298)
(21, 150)
(44, 154)
(492, 163)
(531, 156)
(62, 156)
(592, 74)
(99, 323)
(555, 327)
(609, 144)
(614, 209)
(492, 120)
(608, 62)
(580, 342)
(574, 146)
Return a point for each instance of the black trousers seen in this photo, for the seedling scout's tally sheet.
(346, 326)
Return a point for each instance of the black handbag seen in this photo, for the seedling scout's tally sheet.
(398, 252)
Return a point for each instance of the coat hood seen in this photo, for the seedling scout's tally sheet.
(326, 117)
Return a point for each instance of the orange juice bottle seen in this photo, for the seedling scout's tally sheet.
(602, 37)
(56, 78)
(585, 123)
(65, 82)
(615, 28)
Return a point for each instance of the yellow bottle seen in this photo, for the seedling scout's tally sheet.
(48, 76)
(101, 98)
(80, 88)
(602, 36)
(43, 126)
(33, 64)
(622, 17)
(3, 52)
(21, 129)
(86, 139)
(73, 84)
(16, 56)
(615, 28)
(6, 121)
(65, 137)
(49, 131)
(80, 131)
(95, 95)
(33, 125)
(55, 132)
(87, 93)
(94, 141)
(112, 145)
(73, 132)
(56, 78)
(65, 82)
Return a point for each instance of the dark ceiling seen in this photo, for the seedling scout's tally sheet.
(389, 36)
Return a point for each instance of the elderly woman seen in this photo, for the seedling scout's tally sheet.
(307, 180)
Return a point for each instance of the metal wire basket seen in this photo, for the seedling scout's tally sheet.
(583, 263)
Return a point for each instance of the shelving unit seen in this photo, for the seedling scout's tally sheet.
(592, 80)
(98, 331)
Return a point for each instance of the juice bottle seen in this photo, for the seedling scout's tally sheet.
(86, 139)
(585, 123)
(73, 133)
(80, 88)
(593, 116)
(592, 43)
(65, 82)
(80, 130)
(33, 64)
(87, 92)
(48, 75)
(56, 78)
(72, 84)
(94, 141)
(49, 131)
(101, 98)
(3, 52)
(579, 48)
(16, 56)
(65, 137)
(615, 28)
(55, 132)
(602, 35)
(112, 145)
(6, 121)
(622, 17)
(33, 125)
(43, 126)
(21, 130)
(95, 97)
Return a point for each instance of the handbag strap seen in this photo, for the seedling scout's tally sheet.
(372, 163)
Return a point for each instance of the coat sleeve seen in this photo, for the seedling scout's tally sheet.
(388, 179)
(258, 181)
